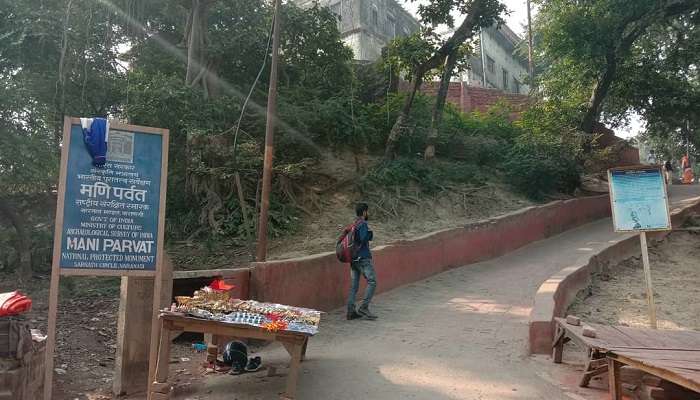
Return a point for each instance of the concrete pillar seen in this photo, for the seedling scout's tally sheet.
(134, 329)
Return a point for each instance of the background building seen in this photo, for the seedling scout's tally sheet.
(505, 69)
(367, 26)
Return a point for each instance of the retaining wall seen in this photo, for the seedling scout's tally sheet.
(557, 293)
(321, 282)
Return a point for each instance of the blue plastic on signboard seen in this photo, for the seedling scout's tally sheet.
(639, 200)
(110, 216)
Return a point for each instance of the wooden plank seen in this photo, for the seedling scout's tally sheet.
(163, 360)
(294, 367)
(158, 284)
(558, 346)
(682, 378)
(614, 381)
(55, 263)
(647, 280)
(626, 337)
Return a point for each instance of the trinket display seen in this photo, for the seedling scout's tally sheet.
(217, 305)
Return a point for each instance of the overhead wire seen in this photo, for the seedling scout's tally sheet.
(252, 88)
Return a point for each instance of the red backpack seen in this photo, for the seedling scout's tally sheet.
(345, 247)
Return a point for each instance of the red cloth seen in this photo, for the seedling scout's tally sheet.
(219, 284)
(14, 303)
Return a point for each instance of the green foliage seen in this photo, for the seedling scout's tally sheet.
(623, 44)
(542, 164)
(476, 138)
(547, 155)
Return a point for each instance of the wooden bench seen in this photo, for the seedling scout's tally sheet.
(680, 366)
(610, 337)
(294, 342)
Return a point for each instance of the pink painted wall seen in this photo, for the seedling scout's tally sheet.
(321, 282)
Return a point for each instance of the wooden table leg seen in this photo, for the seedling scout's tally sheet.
(295, 351)
(558, 344)
(594, 367)
(160, 389)
(303, 349)
(614, 377)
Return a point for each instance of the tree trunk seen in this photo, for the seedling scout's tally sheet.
(600, 90)
(439, 106)
(197, 64)
(474, 18)
(393, 139)
(23, 242)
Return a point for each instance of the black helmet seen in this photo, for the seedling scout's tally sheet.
(236, 354)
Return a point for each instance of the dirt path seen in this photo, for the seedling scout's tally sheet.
(459, 335)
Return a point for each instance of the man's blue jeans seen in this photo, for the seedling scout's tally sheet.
(362, 266)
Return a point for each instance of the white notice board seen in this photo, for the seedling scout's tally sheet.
(639, 199)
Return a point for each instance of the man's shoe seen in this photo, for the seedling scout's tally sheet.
(353, 315)
(364, 311)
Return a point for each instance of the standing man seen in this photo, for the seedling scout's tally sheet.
(362, 265)
(668, 171)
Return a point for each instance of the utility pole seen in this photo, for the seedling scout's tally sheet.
(530, 63)
(269, 139)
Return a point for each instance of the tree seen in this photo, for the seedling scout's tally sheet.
(451, 62)
(315, 77)
(27, 168)
(426, 51)
(586, 43)
(57, 57)
(660, 81)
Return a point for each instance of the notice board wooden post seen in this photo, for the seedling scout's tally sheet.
(647, 279)
(136, 185)
(639, 202)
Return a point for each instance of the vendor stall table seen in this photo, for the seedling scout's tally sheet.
(294, 342)
(609, 337)
(680, 366)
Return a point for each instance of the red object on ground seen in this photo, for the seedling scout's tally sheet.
(219, 284)
(14, 303)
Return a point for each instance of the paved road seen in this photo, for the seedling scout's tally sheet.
(458, 335)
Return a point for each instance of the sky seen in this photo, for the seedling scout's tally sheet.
(517, 22)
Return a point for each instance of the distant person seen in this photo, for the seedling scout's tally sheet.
(686, 170)
(362, 265)
(668, 172)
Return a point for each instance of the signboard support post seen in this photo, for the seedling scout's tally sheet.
(647, 279)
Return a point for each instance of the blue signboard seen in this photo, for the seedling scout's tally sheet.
(111, 214)
(639, 200)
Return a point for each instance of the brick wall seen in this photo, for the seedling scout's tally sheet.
(471, 98)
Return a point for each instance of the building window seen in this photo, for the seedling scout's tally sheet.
(490, 64)
(375, 16)
(336, 9)
(516, 86)
(505, 79)
(391, 26)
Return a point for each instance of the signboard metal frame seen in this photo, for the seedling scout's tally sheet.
(57, 271)
(612, 198)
